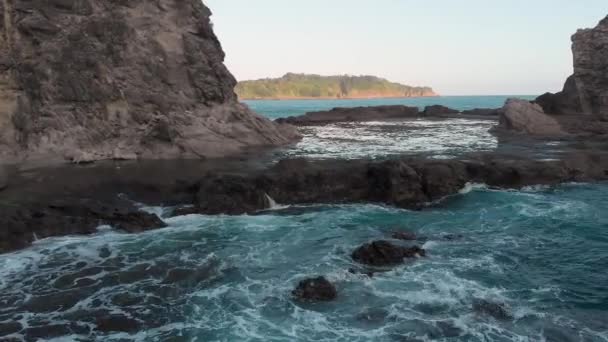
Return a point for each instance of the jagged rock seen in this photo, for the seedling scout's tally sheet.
(586, 91)
(525, 117)
(23, 224)
(315, 290)
(352, 114)
(384, 253)
(438, 110)
(88, 80)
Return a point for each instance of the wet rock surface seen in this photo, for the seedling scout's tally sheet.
(496, 310)
(385, 253)
(79, 200)
(315, 290)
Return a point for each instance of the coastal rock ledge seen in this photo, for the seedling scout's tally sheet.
(88, 80)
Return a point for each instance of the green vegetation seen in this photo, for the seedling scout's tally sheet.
(293, 86)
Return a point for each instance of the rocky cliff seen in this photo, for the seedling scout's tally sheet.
(88, 80)
(586, 91)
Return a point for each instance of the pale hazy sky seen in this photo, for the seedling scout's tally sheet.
(459, 47)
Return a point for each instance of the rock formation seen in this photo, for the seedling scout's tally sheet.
(352, 114)
(586, 91)
(526, 117)
(384, 253)
(87, 80)
(315, 290)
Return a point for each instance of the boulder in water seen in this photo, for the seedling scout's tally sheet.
(384, 253)
(526, 117)
(315, 290)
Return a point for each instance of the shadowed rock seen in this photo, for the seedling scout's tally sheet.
(315, 290)
(404, 235)
(384, 253)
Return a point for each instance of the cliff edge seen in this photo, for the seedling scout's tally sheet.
(586, 91)
(87, 80)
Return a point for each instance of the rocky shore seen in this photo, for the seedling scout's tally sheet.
(30, 210)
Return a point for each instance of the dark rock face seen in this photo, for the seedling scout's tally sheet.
(21, 225)
(3, 178)
(438, 110)
(315, 290)
(88, 80)
(352, 114)
(384, 253)
(586, 91)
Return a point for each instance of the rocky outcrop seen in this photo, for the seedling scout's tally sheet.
(586, 91)
(87, 80)
(384, 253)
(61, 204)
(525, 117)
(23, 224)
(3, 178)
(315, 290)
(352, 114)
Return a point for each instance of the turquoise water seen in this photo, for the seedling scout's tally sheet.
(278, 109)
(541, 252)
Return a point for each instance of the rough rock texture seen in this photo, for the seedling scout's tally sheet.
(384, 253)
(88, 80)
(21, 224)
(586, 91)
(482, 111)
(75, 200)
(352, 114)
(526, 117)
(315, 290)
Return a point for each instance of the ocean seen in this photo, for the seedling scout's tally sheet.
(539, 254)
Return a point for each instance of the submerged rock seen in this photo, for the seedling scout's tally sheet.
(85, 81)
(404, 235)
(117, 323)
(525, 117)
(384, 253)
(499, 311)
(315, 290)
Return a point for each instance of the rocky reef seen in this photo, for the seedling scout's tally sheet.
(586, 91)
(78, 201)
(86, 80)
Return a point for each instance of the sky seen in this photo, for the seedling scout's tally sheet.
(458, 47)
